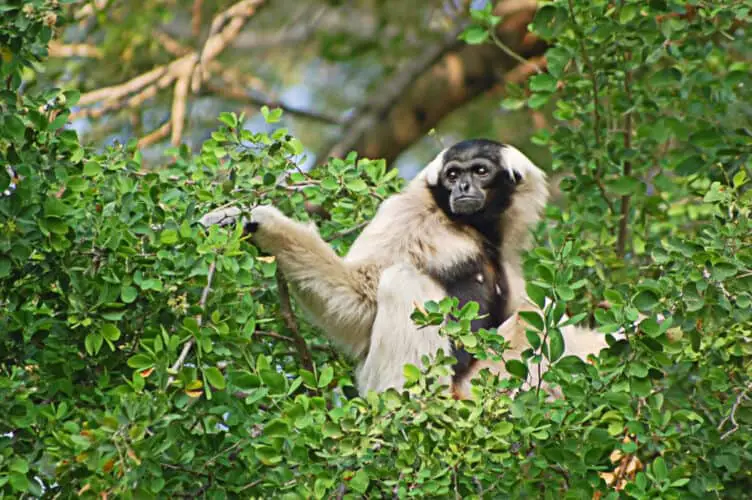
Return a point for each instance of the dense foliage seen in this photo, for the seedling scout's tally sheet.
(142, 355)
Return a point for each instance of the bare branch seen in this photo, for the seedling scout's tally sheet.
(188, 71)
(196, 17)
(457, 76)
(239, 94)
(621, 241)
(156, 135)
(287, 315)
(731, 417)
(199, 319)
(385, 99)
(57, 49)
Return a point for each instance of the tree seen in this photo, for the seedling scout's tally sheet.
(144, 355)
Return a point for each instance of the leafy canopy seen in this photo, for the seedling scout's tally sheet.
(145, 356)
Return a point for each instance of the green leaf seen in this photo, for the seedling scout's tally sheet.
(168, 237)
(92, 168)
(543, 82)
(469, 340)
(229, 119)
(411, 372)
(359, 482)
(356, 185)
(140, 361)
(110, 332)
(14, 126)
(627, 13)
(534, 319)
(556, 344)
(5, 267)
(625, 186)
(128, 294)
(660, 471)
(215, 377)
(516, 368)
(536, 294)
(474, 35)
(326, 377)
(93, 343)
(19, 465)
(645, 300)
(19, 482)
(503, 428)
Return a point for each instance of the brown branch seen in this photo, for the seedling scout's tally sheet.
(57, 49)
(289, 318)
(196, 17)
(156, 135)
(621, 242)
(188, 71)
(199, 319)
(596, 106)
(731, 417)
(460, 74)
(380, 103)
(240, 94)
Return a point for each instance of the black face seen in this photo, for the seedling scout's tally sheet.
(474, 185)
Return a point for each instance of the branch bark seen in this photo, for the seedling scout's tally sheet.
(430, 88)
(290, 322)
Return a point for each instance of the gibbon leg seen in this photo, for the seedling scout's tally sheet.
(338, 298)
(395, 339)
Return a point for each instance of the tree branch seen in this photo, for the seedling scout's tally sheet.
(199, 319)
(379, 104)
(731, 417)
(287, 315)
(596, 107)
(621, 242)
(240, 94)
(399, 115)
(186, 72)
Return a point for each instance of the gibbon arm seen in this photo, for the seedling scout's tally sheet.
(339, 299)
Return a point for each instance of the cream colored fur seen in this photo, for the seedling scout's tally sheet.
(578, 341)
(363, 301)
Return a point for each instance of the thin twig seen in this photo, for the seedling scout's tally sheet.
(199, 319)
(621, 242)
(511, 53)
(347, 232)
(237, 93)
(731, 417)
(287, 315)
(596, 105)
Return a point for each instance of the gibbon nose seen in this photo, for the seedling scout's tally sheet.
(464, 187)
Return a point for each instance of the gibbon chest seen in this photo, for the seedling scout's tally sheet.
(478, 279)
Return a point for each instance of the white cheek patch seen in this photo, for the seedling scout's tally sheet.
(433, 169)
(516, 163)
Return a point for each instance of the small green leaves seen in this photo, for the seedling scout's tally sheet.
(474, 35)
(271, 116)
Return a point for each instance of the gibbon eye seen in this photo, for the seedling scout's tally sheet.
(480, 170)
(452, 175)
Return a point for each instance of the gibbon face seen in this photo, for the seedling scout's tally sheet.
(473, 182)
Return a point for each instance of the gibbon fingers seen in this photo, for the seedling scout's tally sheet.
(458, 229)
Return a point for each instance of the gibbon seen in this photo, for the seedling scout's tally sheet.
(458, 229)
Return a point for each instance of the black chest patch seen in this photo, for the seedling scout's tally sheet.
(481, 280)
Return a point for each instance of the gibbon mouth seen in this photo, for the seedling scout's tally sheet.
(465, 205)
